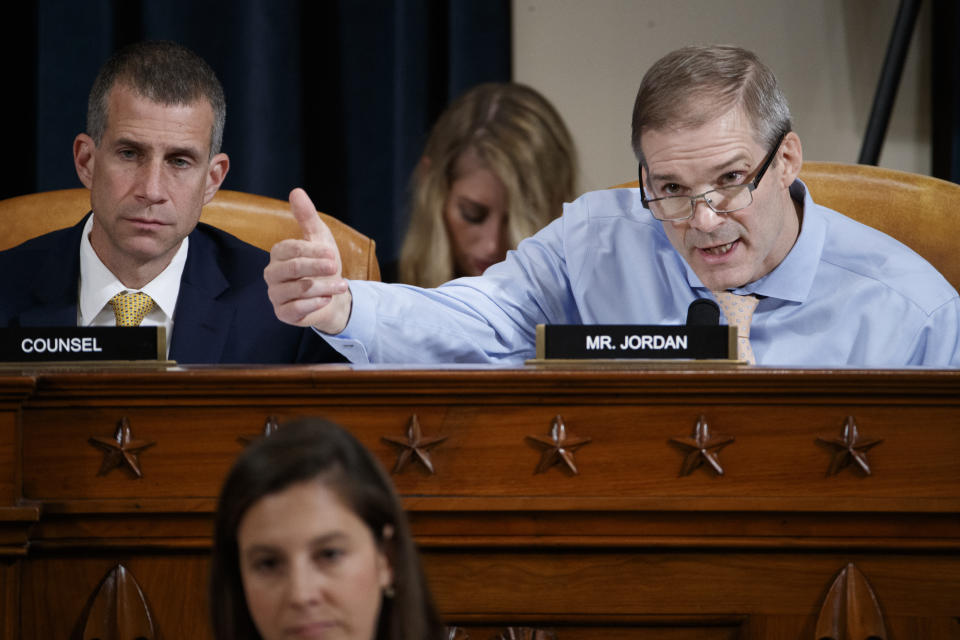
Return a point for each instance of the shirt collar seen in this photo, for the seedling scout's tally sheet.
(98, 284)
(793, 278)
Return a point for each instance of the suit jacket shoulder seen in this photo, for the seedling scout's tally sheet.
(40, 279)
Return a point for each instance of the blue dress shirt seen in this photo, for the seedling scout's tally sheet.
(845, 295)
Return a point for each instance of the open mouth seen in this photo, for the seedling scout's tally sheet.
(721, 249)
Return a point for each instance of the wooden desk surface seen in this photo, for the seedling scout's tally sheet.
(686, 503)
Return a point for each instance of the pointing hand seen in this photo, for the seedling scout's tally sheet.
(304, 278)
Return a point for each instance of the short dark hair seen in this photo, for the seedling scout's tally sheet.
(317, 449)
(693, 85)
(161, 71)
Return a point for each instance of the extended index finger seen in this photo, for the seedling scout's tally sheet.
(306, 214)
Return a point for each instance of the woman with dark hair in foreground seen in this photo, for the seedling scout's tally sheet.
(311, 541)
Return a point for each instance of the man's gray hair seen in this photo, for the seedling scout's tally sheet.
(693, 85)
(163, 72)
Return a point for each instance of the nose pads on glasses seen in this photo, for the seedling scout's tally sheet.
(707, 202)
(707, 219)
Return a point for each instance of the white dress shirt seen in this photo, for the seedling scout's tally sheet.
(98, 285)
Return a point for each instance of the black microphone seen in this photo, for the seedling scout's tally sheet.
(703, 312)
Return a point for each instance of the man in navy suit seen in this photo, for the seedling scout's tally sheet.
(151, 159)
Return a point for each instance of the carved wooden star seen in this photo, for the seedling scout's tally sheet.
(703, 447)
(849, 447)
(269, 427)
(120, 450)
(558, 447)
(415, 445)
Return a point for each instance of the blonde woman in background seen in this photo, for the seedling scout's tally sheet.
(498, 166)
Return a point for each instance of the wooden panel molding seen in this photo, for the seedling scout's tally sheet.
(850, 610)
(526, 633)
(554, 499)
(118, 610)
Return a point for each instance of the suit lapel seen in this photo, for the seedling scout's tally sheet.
(201, 321)
(56, 283)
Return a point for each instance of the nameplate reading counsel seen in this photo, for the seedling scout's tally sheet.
(77, 344)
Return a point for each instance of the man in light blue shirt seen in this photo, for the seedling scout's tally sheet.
(720, 209)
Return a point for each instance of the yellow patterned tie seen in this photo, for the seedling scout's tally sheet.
(739, 312)
(131, 308)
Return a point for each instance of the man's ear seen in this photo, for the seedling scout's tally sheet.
(84, 154)
(216, 172)
(791, 154)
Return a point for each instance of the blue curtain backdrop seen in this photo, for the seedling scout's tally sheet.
(333, 95)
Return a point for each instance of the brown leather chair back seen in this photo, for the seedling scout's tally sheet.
(917, 210)
(259, 220)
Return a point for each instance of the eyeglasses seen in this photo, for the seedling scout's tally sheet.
(720, 200)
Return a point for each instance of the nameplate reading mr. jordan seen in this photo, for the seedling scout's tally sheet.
(659, 342)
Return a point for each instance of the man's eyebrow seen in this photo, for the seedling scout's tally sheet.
(188, 151)
(740, 158)
(192, 152)
(665, 177)
(128, 142)
(720, 167)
